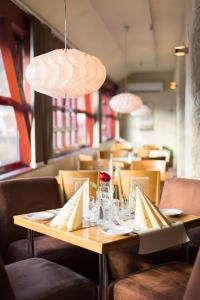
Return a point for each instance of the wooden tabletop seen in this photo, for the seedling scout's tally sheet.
(92, 238)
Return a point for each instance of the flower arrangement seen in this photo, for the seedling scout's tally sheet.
(103, 177)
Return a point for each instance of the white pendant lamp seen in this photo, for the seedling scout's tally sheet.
(144, 110)
(65, 72)
(125, 103)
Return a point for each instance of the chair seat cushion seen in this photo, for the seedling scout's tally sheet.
(78, 259)
(127, 260)
(194, 235)
(39, 279)
(163, 282)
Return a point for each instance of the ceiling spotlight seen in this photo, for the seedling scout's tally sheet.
(181, 50)
(172, 85)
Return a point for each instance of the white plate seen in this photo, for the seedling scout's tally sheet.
(54, 211)
(117, 230)
(171, 212)
(40, 216)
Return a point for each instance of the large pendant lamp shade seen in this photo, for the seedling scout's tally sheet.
(143, 111)
(65, 73)
(125, 103)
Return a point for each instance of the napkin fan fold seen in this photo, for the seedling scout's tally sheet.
(147, 215)
(70, 216)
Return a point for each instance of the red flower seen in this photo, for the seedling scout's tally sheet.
(105, 177)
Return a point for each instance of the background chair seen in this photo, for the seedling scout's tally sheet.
(99, 165)
(102, 165)
(85, 157)
(67, 183)
(149, 165)
(121, 146)
(106, 154)
(154, 158)
(21, 196)
(152, 190)
(183, 194)
(38, 278)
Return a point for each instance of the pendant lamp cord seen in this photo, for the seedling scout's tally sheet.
(65, 24)
(126, 30)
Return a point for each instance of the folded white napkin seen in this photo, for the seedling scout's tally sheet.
(147, 215)
(156, 240)
(70, 216)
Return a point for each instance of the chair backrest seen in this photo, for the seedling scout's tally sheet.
(98, 165)
(154, 158)
(106, 154)
(21, 196)
(183, 194)
(119, 146)
(85, 157)
(67, 183)
(6, 292)
(192, 291)
(151, 147)
(102, 165)
(152, 190)
(149, 165)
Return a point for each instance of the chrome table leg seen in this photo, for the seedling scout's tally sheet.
(30, 243)
(103, 277)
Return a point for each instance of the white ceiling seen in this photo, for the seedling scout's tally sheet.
(96, 27)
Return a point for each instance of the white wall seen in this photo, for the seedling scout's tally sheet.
(164, 131)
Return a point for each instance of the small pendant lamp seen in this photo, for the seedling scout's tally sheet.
(144, 110)
(125, 102)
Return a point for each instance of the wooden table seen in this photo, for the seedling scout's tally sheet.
(90, 238)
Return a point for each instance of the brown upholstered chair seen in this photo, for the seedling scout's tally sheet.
(183, 194)
(22, 196)
(37, 278)
(163, 282)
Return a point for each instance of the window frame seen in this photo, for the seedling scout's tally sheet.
(12, 33)
(73, 111)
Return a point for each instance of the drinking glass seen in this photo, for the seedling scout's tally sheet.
(116, 209)
(124, 208)
(105, 203)
(93, 211)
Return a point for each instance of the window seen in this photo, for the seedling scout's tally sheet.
(4, 88)
(9, 136)
(72, 121)
(14, 110)
(108, 118)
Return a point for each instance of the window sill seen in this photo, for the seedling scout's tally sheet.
(13, 173)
